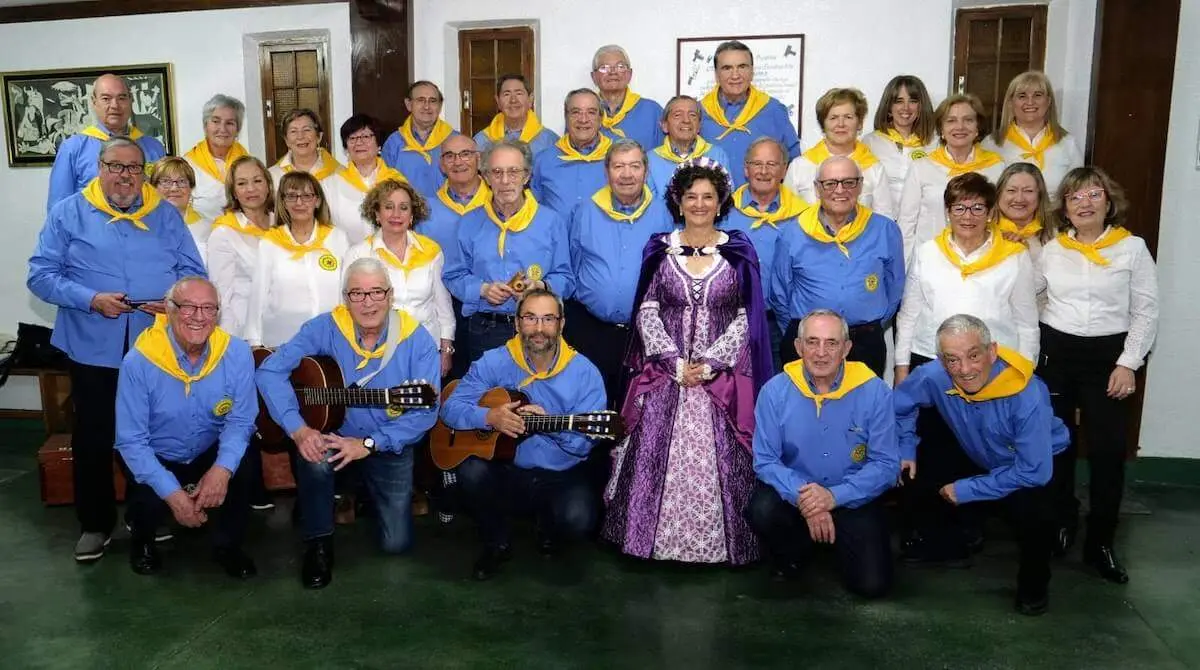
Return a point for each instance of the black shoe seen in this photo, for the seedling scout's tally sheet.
(144, 558)
(547, 546)
(317, 571)
(488, 563)
(235, 563)
(922, 552)
(1033, 606)
(787, 572)
(1105, 561)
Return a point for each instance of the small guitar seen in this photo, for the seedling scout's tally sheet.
(323, 397)
(451, 447)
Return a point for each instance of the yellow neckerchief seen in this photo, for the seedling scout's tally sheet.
(699, 148)
(103, 135)
(892, 135)
(982, 159)
(1000, 250)
(790, 205)
(441, 130)
(854, 375)
(202, 157)
(565, 354)
(281, 236)
(1092, 251)
(482, 195)
(421, 251)
(1030, 229)
(1037, 153)
(95, 196)
(611, 122)
(382, 171)
(515, 223)
(570, 154)
(1009, 382)
(229, 218)
(496, 130)
(328, 164)
(756, 101)
(345, 325)
(191, 216)
(155, 344)
(604, 199)
(861, 155)
(811, 224)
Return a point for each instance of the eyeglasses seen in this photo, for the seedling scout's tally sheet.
(355, 139)
(978, 209)
(108, 99)
(173, 183)
(578, 113)
(120, 168)
(510, 174)
(619, 68)
(1093, 194)
(188, 310)
(545, 319)
(300, 197)
(427, 101)
(464, 155)
(376, 294)
(758, 165)
(830, 185)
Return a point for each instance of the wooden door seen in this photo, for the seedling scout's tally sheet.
(991, 46)
(379, 33)
(294, 75)
(484, 56)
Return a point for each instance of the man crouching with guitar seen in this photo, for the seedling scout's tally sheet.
(547, 476)
(375, 347)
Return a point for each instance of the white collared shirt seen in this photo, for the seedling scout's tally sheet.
(896, 161)
(288, 292)
(922, 201)
(1062, 157)
(1004, 296)
(232, 257)
(1090, 300)
(875, 194)
(208, 197)
(421, 291)
(345, 202)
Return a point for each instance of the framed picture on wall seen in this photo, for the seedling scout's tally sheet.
(778, 67)
(42, 108)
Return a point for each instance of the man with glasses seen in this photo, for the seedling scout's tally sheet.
(509, 245)
(75, 160)
(104, 257)
(625, 113)
(186, 406)
(516, 119)
(842, 256)
(571, 170)
(375, 346)
(548, 477)
(415, 147)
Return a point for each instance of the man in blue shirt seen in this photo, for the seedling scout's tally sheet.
(681, 123)
(516, 119)
(570, 171)
(625, 113)
(824, 451)
(549, 476)
(1001, 415)
(105, 257)
(185, 413)
(607, 235)
(415, 147)
(376, 347)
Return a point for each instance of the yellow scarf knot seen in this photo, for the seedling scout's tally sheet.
(611, 122)
(382, 172)
(1011, 380)
(910, 142)
(1092, 251)
(565, 354)
(999, 251)
(1007, 225)
(155, 344)
(604, 199)
(325, 166)
(1035, 154)
(95, 197)
(569, 153)
(811, 224)
(441, 130)
(96, 132)
(230, 220)
(421, 252)
(345, 325)
(281, 237)
(854, 375)
(861, 155)
(982, 160)
(482, 194)
(790, 205)
(201, 156)
(756, 102)
(497, 129)
(699, 148)
(191, 216)
(515, 223)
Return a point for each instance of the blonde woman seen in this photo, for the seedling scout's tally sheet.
(904, 129)
(1029, 131)
(1022, 207)
(175, 181)
(233, 245)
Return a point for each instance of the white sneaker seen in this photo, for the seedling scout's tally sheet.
(90, 547)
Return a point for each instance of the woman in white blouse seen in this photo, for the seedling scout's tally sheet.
(414, 262)
(841, 112)
(212, 156)
(1098, 324)
(233, 245)
(348, 186)
(298, 275)
(1022, 205)
(958, 120)
(1029, 130)
(303, 134)
(904, 130)
(174, 180)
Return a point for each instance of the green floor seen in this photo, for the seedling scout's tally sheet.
(591, 609)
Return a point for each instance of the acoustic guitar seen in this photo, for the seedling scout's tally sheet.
(451, 447)
(324, 397)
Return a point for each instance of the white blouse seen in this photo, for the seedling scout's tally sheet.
(922, 201)
(1062, 157)
(420, 292)
(1004, 296)
(896, 160)
(1090, 300)
(875, 193)
(286, 292)
(201, 230)
(232, 257)
(344, 203)
(208, 197)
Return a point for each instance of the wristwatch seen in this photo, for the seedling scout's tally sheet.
(369, 445)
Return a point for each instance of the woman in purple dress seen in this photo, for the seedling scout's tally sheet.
(699, 354)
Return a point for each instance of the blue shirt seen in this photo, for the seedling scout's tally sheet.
(763, 238)
(544, 139)
(560, 184)
(772, 121)
(849, 448)
(78, 159)
(864, 288)
(425, 176)
(576, 390)
(442, 224)
(642, 123)
(79, 254)
(606, 256)
(661, 169)
(542, 243)
(157, 420)
(1013, 438)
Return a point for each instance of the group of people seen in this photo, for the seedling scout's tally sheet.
(742, 321)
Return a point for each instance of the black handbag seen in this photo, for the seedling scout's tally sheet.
(32, 350)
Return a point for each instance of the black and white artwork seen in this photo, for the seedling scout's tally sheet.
(778, 67)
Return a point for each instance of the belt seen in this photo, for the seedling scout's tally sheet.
(496, 317)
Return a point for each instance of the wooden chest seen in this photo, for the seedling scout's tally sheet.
(277, 471)
(57, 476)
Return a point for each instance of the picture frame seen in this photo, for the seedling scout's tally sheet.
(44, 107)
(778, 68)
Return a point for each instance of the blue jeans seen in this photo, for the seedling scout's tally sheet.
(389, 481)
(485, 333)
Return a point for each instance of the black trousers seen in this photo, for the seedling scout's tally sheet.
(1076, 370)
(603, 344)
(861, 539)
(460, 360)
(94, 397)
(486, 331)
(869, 346)
(146, 511)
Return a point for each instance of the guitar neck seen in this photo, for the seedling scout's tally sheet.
(536, 423)
(355, 397)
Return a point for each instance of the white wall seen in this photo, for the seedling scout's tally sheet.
(1168, 424)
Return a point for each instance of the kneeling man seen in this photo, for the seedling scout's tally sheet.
(185, 413)
(824, 450)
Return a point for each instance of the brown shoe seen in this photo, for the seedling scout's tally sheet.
(343, 510)
(420, 504)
